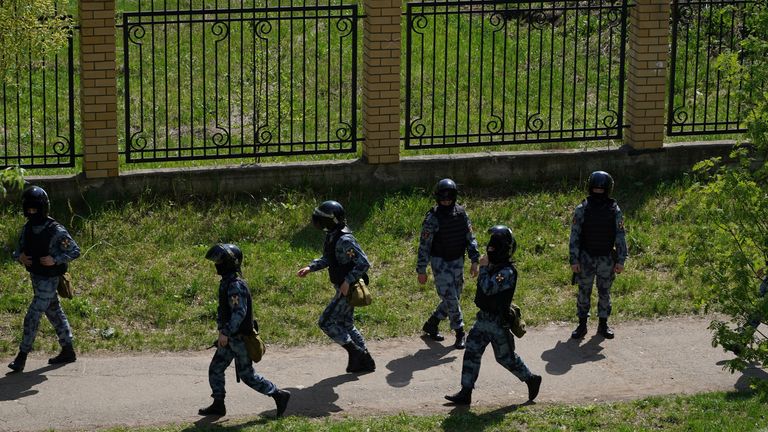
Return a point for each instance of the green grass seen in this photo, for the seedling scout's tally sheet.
(722, 412)
(142, 282)
(264, 83)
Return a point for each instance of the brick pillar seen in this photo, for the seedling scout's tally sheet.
(647, 73)
(381, 81)
(98, 86)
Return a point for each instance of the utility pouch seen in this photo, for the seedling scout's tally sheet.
(359, 295)
(253, 343)
(64, 288)
(516, 324)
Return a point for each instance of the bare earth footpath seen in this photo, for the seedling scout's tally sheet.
(667, 356)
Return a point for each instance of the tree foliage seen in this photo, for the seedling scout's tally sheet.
(729, 205)
(31, 29)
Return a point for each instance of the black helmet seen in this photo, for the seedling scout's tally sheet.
(602, 180)
(328, 215)
(501, 245)
(226, 256)
(446, 190)
(36, 198)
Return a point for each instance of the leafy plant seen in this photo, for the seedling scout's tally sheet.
(11, 179)
(729, 208)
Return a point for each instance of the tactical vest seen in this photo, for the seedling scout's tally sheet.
(493, 304)
(336, 270)
(36, 246)
(598, 231)
(450, 240)
(226, 311)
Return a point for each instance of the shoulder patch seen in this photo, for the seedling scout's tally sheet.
(499, 277)
(351, 252)
(65, 243)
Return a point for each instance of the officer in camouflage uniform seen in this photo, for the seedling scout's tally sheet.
(597, 250)
(445, 234)
(346, 263)
(234, 318)
(495, 289)
(45, 249)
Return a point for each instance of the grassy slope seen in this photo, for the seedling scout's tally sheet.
(142, 282)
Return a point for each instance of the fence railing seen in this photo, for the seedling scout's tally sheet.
(702, 99)
(225, 83)
(37, 113)
(499, 72)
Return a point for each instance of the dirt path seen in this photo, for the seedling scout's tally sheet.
(646, 358)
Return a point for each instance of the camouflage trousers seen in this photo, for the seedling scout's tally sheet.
(449, 282)
(235, 349)
(599, 269)
(503, 344)
(338, 322)
(45, 301)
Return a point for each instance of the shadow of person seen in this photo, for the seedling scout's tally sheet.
(564, 355)
(209, 423)
(461, 416)
(15, 385)
(748, 375)
(317, 400)
(402, 369)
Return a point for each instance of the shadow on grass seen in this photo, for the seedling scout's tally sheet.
(402, 369)
(215, 423)
(461, 419)
(565, 355)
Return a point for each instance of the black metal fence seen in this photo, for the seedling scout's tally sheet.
(37, 113)
(226, 83)
(702, 99)
(500, 72)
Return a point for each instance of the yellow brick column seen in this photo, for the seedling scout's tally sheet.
(381, 81)
(647, 73)
(98, 85)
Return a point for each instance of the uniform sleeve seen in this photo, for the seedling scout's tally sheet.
(621, 238)
(764, 286)
(474, 254)
(63, 248)
(237, 303)
(318, 264)
(347, 249)
(19, 246)
(574, 244)
(428, 229)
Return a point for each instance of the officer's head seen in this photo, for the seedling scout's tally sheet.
(446, 192)
(227, 258)
(34, 202)
(501, 245)
(600, 184)
(329, 216)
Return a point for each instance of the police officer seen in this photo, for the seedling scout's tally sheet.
(45, 249)
(346, 263)
(235, 318)
(445, 234)
(495, 289)
(597, 250)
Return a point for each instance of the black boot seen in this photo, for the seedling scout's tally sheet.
(356, 357)
(368, 364)
(17, 365)
(217, 408)
(463, 397)
(603, 329)
(430, 328)
(581, 330)
(460, 339)
(67, 355)
(534, 384)
(281, 398)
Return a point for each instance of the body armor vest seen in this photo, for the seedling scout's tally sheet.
(450, 240)
(598, 231)
(247, 324)
(36, 246)
(336, 270)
